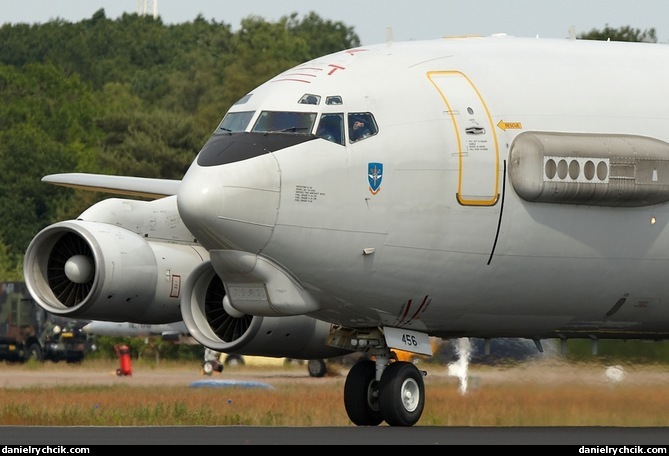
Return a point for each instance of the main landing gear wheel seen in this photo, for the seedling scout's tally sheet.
(317, 368)
(361, 394)
(401, 394)
(234, 360)
(207, 368)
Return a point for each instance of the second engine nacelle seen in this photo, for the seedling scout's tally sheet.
(99, 271)
(215, 324)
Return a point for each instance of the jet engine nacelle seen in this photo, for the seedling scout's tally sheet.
(99, 271)
(215, 324)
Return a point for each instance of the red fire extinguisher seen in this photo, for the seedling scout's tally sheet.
(123, 352)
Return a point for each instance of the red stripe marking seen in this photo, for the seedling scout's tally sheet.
(419, 309)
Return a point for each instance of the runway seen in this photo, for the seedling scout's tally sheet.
(383, 435)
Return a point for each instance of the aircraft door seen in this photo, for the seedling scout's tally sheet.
(478, 151)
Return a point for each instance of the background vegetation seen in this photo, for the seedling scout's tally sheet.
(151, 349)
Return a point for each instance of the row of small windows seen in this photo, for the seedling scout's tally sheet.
(578, 170)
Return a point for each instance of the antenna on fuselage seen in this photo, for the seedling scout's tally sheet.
(389, 35)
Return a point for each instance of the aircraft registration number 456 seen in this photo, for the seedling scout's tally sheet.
(407, 340)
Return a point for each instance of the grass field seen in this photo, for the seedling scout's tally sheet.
(537, 393)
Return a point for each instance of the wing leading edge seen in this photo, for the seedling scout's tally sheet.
(121, 185)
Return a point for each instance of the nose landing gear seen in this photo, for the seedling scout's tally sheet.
(398, 398)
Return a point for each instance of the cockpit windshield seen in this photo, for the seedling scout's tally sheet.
(285, 122)
(234, 122)
(361, 125)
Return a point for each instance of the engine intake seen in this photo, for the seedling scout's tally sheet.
(204, 311)
(98, 271)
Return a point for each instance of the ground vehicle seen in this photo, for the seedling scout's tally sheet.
(29, 332)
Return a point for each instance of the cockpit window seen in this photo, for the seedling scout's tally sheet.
(361, 125)
(331, 127)
(285, 122)
(310, 99)
(235, 122)
(333, 100)
(244, 99)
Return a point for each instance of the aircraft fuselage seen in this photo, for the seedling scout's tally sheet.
(510, 187)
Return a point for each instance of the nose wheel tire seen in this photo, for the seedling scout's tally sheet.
(401, 394)
(361, 394)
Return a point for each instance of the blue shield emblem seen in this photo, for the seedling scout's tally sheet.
(374, 177)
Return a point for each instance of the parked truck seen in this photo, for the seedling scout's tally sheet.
(29, 332)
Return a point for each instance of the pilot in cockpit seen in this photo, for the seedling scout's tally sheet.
(359, 130)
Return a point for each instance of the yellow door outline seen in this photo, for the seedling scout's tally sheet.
(478, 149)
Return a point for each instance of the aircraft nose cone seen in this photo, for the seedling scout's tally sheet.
(232, 205)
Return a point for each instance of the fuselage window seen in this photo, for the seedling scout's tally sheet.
(331, 127)
(235, 122)
(361, 125)
(333, 100)
(285, 122)
(308, 98)
(244, 99)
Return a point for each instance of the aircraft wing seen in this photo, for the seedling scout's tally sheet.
(128, 329)
(121, 185)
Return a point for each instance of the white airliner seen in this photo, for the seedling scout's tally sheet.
(369, 199)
